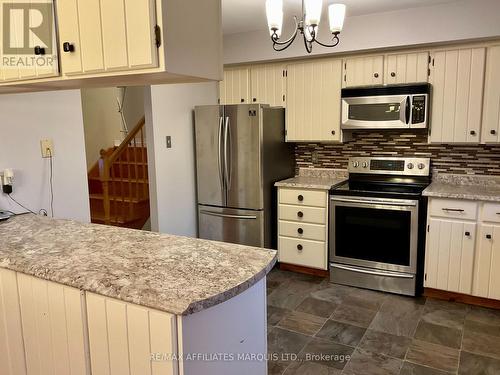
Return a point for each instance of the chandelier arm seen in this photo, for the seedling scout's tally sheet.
(336, 41)
(307, 44)
(283, 44)
(275, 38)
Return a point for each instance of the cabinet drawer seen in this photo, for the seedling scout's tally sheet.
(302, 252)
(453, 208)
(314, 215)
(491, 212)
(301, 230)
(304, 197)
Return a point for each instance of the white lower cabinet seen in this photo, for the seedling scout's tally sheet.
(302, 227)
(450, 255)
(463, 254)
(487, 267)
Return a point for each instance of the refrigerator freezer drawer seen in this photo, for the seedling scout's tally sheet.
(244, 227)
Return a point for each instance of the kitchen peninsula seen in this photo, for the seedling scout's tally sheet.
(82, 299)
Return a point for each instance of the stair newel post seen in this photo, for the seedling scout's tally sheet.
(105, 189)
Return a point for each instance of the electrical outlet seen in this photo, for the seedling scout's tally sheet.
(47, 148)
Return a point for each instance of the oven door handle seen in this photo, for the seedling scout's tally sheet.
(377, 202)
(376, 273)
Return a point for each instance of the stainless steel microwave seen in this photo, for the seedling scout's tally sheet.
(386, 107)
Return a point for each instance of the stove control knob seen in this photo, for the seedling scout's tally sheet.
(421, 166)
(355, 164)
(365, 164)
(410, 166)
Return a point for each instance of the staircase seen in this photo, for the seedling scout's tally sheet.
(118, 183)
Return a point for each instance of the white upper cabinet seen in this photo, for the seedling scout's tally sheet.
(363, 71)
(268, 84)
(457, 78)
(406, 68)
(313, 101)
(235, 88)
(491, 109)
(28, 53)
(104, 36)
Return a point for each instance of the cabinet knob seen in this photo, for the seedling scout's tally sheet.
(333, 132)
(243, 100)
(393, 74)
(300, 198)
(472, 132)
(300, 231)
(68, 47)
(299, 247)
(493, 132)
(488, 236)
(300, 214)
(254, 100)
(376, 75)
(467, 234)
(39, 50)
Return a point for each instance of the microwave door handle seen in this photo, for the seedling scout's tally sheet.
(408, 109)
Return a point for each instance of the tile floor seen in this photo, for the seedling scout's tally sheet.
(329, 329)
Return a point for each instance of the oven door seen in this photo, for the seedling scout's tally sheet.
(376, 112)
(374, 233)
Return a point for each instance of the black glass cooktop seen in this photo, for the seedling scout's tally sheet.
(382, 187)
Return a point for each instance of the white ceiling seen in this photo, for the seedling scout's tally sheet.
(249, 15)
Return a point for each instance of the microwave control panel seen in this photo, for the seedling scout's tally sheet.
(418, 109)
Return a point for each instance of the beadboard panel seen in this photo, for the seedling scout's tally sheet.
(123, 337)
(12, 360)
(53, 327)
(460, 159)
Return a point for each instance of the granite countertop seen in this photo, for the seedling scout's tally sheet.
(315, 178)
(481, 188)
(178, 275)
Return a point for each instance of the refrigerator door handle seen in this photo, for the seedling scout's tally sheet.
(219, 153)
(227, 153)
(243, 217)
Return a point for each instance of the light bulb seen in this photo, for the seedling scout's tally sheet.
(274, 12)
(336, 14)
(313, 11)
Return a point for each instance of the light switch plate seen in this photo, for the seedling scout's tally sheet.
(47, 147)
(169, 141)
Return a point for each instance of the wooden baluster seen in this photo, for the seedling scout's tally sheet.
(105, 192)
(122, 191)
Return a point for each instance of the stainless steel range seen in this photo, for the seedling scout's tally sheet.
(377, 225)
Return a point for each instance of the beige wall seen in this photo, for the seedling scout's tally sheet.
(102, 122)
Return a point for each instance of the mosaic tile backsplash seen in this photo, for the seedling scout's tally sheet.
(460, 159)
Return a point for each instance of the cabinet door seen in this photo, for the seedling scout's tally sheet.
(486, 275)
(53, 327)
(19, 61)
(235, 88)
(268, 84)
(107, 35)
(450, 255)
(491, 110)
(406, 68)
(364, 71)
(123, 336)
(12, 360)
(457, 78)
(313, 103)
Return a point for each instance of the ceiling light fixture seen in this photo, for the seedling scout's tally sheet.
(308, 25)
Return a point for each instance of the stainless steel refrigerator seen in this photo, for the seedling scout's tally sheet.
(240, 154)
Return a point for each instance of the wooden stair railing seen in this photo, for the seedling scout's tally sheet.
(119, 193)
